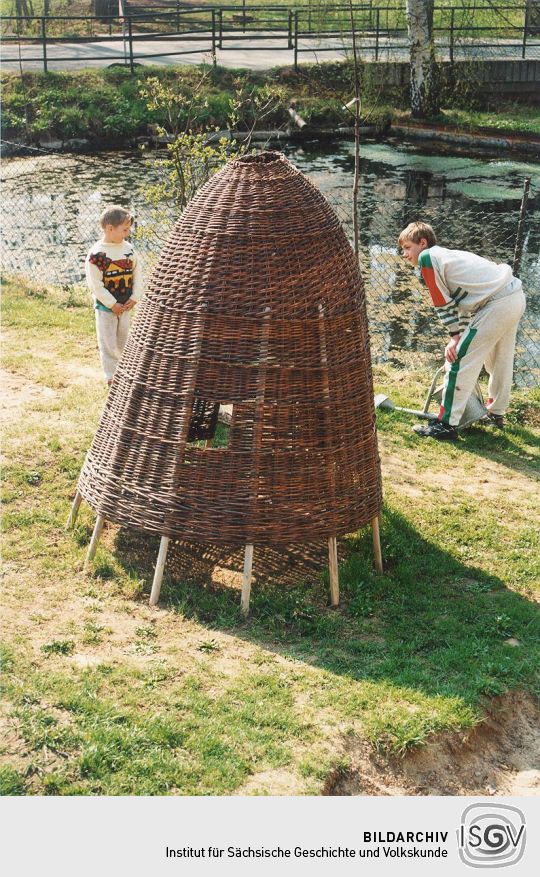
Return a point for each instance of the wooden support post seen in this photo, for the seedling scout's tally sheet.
(77, 499)
(246, 583)
(98, 527)
(377, 553)
(158, 573)
(333, 567)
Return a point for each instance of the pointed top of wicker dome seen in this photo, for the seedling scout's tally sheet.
(268, 156)
(261, 195)
(263, 164)
(258, 235)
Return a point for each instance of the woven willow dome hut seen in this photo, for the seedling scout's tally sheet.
(256, 303)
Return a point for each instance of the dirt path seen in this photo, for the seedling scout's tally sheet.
(17, 393)
(501, 756)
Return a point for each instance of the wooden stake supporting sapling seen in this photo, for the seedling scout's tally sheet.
(158, 573)
(98, 527)
(246, 583)
(333, 568)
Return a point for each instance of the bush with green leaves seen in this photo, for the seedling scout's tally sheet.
(196, 148)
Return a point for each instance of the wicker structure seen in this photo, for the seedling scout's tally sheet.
(256, 302)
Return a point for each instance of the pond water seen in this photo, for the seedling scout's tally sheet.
(51, 206)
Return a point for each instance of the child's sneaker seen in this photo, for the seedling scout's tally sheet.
(438, 430)
(496, 420)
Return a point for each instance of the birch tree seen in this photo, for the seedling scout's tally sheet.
(424, 97)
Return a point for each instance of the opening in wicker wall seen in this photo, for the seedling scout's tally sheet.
(256, 305)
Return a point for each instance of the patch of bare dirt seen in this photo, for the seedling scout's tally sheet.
(71, 373)
(223, 565)
(489, 480)
(17, 393)
(500, 756)
(273, 782)
(15, 751)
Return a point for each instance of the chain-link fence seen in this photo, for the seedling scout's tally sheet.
(52, 203)
(403, 327)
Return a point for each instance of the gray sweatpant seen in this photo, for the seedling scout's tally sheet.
(112, 333)
(490, 340)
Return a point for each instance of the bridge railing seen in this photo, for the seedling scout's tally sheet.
(459, 31)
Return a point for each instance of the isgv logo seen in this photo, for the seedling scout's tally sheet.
(491, 835)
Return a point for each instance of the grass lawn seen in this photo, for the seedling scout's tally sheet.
(103, 695)
(107, 107)
(319, 13)
(511, 119)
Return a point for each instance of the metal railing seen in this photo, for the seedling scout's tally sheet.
(459, 31)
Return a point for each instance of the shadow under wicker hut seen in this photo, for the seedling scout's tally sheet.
(256, 309)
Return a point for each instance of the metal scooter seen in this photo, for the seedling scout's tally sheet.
(475, 408)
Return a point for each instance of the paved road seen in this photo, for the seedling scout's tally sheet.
(237, 53)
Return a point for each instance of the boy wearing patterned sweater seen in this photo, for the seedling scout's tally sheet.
(114, 276)
(480, 304)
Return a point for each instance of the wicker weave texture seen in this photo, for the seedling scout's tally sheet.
(256, 302)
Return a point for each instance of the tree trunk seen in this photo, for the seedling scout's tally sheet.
(424, 97)
(533, 18)
(103, 8)
(23, 7)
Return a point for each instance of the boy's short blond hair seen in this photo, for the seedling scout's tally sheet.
(114, 215)
(415, 231)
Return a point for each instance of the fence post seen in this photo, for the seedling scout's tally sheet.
(220, 13)
(296, 40)
(377, 25)
(130, 38)
(44, 42)
(178, 16)
(516, 265)
(289, 41)
(243, 16)
(214, 60)
(525, 29)
(451, 47)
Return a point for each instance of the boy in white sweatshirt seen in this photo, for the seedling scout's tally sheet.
(481, 304)
(114, 276)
